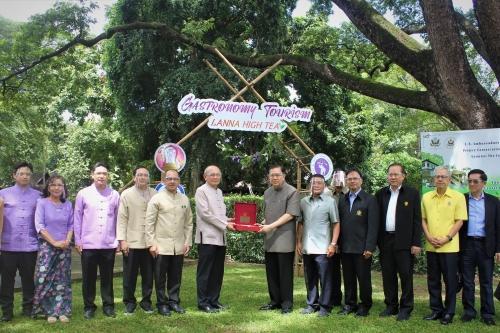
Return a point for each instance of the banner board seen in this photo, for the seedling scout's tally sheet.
(461, 151)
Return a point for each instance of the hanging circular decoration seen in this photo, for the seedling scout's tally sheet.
(170, 156)
(322, 164)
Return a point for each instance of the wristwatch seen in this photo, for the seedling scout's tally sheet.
(449, 238)
(334, 244)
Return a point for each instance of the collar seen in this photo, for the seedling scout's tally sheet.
(355, 194)
(280, 187)
(482, 196)
(397, 190)
(446, 193)
(19, 190)
(173, 195)
(321, 196)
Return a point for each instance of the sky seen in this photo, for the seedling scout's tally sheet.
(21, 10)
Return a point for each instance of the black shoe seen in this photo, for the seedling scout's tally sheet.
(347, 309)
(323, 313)
(466, 318)
(7, 316)
(207, 309)
(147, 309)
(129, 310)
(433, 316)
(89, 314)
(389, 312)
(447, 319)
(220, 306)
(489, 321)
(403, 317)
(109, 313)
(26, 312)
(270, 307)
(163, 311)
(176, 308)
(308, 310)
(361, 313)
(286, 310)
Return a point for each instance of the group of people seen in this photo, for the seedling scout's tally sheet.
(328, 229)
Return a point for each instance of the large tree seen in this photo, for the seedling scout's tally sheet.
(448, 84)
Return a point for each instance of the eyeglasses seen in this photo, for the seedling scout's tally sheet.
(56, 185)
(172, 179)
(395, 174)
(142, 175)
(214, 175)
(474, 181)
(317, 183)
(22, 174)
(101, 173)
(275, 175)
(353, 179)
(441, 177)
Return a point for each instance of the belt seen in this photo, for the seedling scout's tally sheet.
(476, 238)
(390, 232)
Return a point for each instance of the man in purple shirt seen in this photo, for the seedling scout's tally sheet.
(96, 210)
(19, 244)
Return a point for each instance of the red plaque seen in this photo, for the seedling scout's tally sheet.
(245, 216)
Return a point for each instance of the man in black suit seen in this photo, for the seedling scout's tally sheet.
(358, 212)
(479, 246)
(399, 239)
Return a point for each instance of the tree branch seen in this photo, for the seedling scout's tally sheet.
(474, 36)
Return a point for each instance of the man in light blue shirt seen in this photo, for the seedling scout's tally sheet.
(318, 232)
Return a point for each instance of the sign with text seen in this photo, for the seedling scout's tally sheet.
(239, 116)
(461, 151)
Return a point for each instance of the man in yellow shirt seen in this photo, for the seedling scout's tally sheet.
(443, 212)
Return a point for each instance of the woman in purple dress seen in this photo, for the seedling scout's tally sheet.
(54, 224)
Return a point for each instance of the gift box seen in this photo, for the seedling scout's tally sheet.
(245, 216)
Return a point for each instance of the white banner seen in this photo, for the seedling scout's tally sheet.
(229, 115)
(462, 151)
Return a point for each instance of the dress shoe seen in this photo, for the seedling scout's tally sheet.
(109, 313)
(489, 321)
(220, 306)
(323, 313)
(207, 309)
(26, 312)
(7, 316)
(466, 318)
(147, 309)
(433, 316)
(361, 313)
(129, 310)
(308, 310)
(286, 310)
(403, 317)
(389, 312)
(447, 319)
(270, 307)
(163, 311)
(176, 308)
(89, 314)
(347, 309)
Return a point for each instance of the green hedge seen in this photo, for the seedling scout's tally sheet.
(248, 247)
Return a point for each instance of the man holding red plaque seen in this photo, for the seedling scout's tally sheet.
(211, 226)
(318, 232)
(281, 208)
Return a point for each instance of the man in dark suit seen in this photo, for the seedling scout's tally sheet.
(479, 246)
(399, 239)
(358, 212)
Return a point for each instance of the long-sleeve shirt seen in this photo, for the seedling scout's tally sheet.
(95, 218)
(57, 224)
(169, 223)
(132, 217)
(19, 233)
(211, 219)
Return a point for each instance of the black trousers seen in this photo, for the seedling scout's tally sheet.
(210, 273)
(25, 262)
(137, 259)
(279, 272)
(474, 255)
(397, 262)
(356, 270)
(336, 280)
(168, 271)
(105, 260)
(445, 264)
(318, 267)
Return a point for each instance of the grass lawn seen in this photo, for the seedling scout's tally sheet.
(245, 290)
